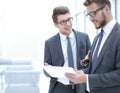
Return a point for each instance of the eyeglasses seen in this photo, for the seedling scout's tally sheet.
(64, 22)
(93, 13)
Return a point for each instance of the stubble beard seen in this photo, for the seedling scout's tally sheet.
(103, 22)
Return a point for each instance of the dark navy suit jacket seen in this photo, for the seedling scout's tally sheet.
(105, 77)
(53, 54)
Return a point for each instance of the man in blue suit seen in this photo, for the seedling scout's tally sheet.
(56, 49)
(102, 74)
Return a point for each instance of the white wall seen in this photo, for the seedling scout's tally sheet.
(25, 25)
(1, 22)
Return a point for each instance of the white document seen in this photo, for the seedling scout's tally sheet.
(57, 71)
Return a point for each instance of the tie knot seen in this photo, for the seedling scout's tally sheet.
(102, 30)
(101, 33)
(67, 37)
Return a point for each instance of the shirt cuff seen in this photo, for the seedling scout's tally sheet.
(87, 84)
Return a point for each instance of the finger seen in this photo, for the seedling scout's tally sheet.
(89, 52)
(69, 76)
(82, 62)
(77, 71)
(46, 64)
(80, 72)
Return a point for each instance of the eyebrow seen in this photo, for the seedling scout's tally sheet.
(96, 10)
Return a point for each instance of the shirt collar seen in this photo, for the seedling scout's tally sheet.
(63, 37)
(71, 35)
(108, 28)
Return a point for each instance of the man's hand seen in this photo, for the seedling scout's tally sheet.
(85, 61)
(46, 64)
(79, 77)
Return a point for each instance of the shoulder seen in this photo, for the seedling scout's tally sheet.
(80, 34)
(53, 38)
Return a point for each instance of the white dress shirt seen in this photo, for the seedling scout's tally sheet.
(63, 40)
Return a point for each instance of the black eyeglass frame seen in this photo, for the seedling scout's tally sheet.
(64, 22)
(93, 13)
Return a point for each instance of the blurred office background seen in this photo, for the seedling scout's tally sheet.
(26, 24)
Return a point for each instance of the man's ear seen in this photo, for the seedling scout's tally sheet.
(55, 24)
(107, 8)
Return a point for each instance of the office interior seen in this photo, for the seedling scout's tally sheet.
(24, 27)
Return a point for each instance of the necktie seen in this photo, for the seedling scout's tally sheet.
(97, 49)
(70, 56)
(69, 53)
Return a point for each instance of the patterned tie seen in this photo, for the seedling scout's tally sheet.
(97, 49)
(70, 56)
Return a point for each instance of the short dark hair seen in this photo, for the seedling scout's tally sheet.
(59, 11)
(98, 2)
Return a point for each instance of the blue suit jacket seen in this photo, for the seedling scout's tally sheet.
(54, 55)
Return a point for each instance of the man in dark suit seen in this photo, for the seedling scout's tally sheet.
(102, 74)
(56, 49)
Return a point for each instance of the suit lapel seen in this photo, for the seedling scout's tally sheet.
(107, 43)
(93, 47)
(94, 43)
(78, 48)
(59, 48)
(77, 44)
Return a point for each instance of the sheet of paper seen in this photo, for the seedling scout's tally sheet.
(56, 71)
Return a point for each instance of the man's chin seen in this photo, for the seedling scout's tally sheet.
(97, 27)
